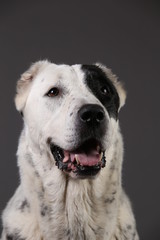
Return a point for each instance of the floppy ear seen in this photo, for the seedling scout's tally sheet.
(25, 82)
(118, 85)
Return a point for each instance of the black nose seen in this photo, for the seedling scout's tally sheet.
(91, 114)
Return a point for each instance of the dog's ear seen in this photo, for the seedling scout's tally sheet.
(25, 82)
(118, 85)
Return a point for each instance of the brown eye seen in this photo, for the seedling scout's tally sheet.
(105, 90)
(53, 92)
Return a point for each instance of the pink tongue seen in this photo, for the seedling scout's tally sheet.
(90, 159)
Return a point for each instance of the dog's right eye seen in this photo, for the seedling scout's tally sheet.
(53, 92)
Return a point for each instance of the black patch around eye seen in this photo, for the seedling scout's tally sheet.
(102, 87)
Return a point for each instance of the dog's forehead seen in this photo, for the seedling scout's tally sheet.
(62, 73)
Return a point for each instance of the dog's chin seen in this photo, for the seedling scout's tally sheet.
(83, 162)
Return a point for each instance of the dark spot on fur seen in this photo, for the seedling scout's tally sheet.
(71, 114)
(112, 167)
(36, 174)
(109, 200)
(44, 169)
(40, 194)
(10, 237)
(113, 193)
(114, 183)
(68, 232)
(44, 210)
(14, 236)
(24, 205)
(134, 235)
(28, 158)
(129, 227)
(49, 140)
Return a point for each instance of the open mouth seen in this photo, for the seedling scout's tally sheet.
(85, 161)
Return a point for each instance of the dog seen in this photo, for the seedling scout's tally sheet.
(70, 157)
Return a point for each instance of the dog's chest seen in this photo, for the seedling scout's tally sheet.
(81, 220)
(77, 222)
(76, 215)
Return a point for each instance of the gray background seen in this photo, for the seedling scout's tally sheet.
(124, 35)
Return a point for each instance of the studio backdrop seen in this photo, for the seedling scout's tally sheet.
(125, 36)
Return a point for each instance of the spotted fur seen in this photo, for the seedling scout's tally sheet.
(50, 204)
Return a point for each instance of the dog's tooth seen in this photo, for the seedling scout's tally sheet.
(66, 156)
(101, 155)
(76, 158)
(66, 159)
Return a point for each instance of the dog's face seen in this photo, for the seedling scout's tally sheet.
(73, 112)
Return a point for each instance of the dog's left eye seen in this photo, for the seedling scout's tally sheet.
(53, 92)
(105, 90)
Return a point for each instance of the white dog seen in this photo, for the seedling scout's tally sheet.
(70, 157)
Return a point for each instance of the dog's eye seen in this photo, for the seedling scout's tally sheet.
(53, 92)
(105, 90)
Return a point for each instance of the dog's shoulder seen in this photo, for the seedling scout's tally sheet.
(18, 221)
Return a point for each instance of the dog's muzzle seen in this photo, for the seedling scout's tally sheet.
(88, 156)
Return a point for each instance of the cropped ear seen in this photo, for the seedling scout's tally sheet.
(118, 85)
(24, 83)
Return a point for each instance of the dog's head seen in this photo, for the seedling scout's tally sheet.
(72, 111)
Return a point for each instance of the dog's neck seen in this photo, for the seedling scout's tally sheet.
(66, 202)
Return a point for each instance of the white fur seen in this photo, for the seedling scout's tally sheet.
(49, 204)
